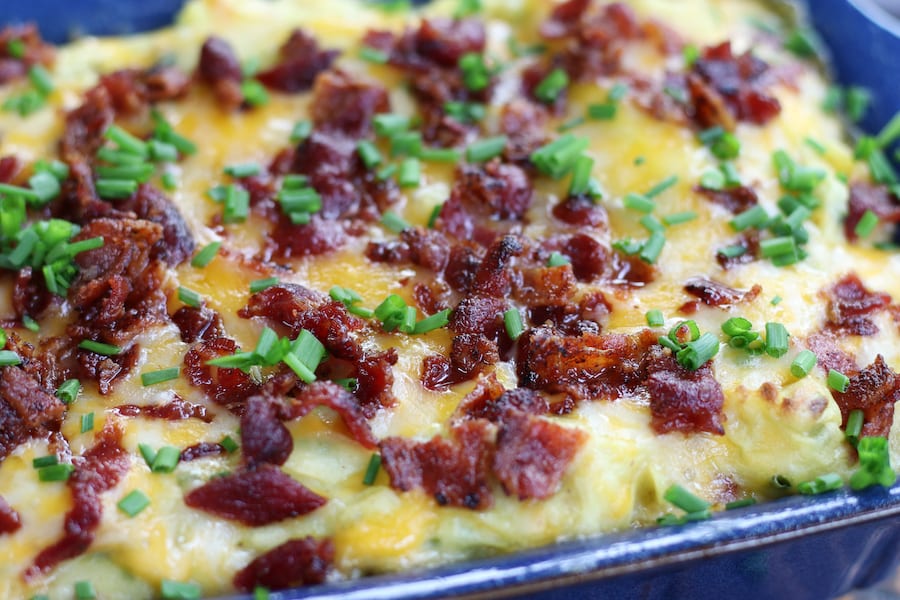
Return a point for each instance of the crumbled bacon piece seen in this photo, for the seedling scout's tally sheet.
(877, 198)
(330, 394)
(36, 51)
(493, 277)
(30, 295)
(10, 522)
(97, 471)
(198, 324)
(294, 563)
(342, 104)
(254, 498)
(176, 410)
(131, 90)
(219, 68)
(581, 211)
(532, 454)
(546, 286)
(564, 19)
(201, 450)
(631, 270)
(684, 400)
(874, 390)
(478, 314)
(424, 247)
(453, 471)
(264, 438)
(489, 400)
(736, 199)
(726, 88)
(375, 379)
(749, 241)
(523, 123)
(714, 293)
(36, 407)
(588, 257)
(85, 126)
(176, 244)
(227, 387)
(830, 355)
(437, 42)
(9, 168)
(105, 370)
(300, 61)
(850, 305)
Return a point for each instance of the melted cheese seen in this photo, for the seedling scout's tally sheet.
(617, 479)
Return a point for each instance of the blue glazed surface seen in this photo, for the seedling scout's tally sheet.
(794, 548)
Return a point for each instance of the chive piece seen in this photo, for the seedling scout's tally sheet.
(30, 324)
(84, 590)
(372, 469)
(557, 260)
(87, 422)
(652, 224)
(179, 590)
(697, 353)
(308, 349)
(874, 464)
(166, 459)
(259, 285)
(45, 186)
(581, 175)
(852, 431)
(229, 444)
(394, 222)
(679, 218)
(838, 381)
(301, 130)
(169, 181)
(15, 48)
(736, 326)
(685, 500)
(821, 484)
(148, 453)
(558, 157)
(803, 42)
(570, 124)
(409, 173)
(406, 143)
(68, 391)
(260, 593)
(435, 321)
(776, 340)
(803, 364)
(475, 73)
(638, 202)
(776, 301)
(467, 8)
(550, 87)
(237, 205)
(162, 151)
(815, 145)
(154, 377)
(653, 247)
(44, 461)
(125, 141)
(465, 112)
(662, 186)
(512, 320)
(726, 147)
(655, 318)
(390, 124)
(486, 149)
(368, 153)
(778, 246)
(866, 224)
(856, 103)
(450, 155)
(301, 370)
(373, 55)
(133, 503)
(743, 502)
(116, 189)
(254, 92)
(604, 111)
(754, 217)
(59, 472)
(99, 348)
(242, 170)
(189, 297)
(206, 255)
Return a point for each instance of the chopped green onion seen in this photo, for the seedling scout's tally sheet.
(890, 132)
(133, 503)
(638, 202)
(229, 444)
(99, 348)
(838, 381)
(465, 112)
(408, 143)
(475, 73)
(389, 124)
(30, 324)
(685, 500)
(655, 318)
(652, 248)
(435, 321)
(697, 353)
(254, 92)
(84, 590)
(486, 149)
(206, 255)
(570, 124)
(154, 377)
(179, 590)
(685, 329)
(450, 155)
(45, 185)
(58, 472)
(652, 224)
(394, 222)
(237, 205)
(855, 421)
(68, 391)
(662, 186)
(754, 217)
(558, 157)
(139, 172)
(803, 42)
(125, 141)
(874, 464)
(166, 460)
(87, 422)
(581, 175)
(44, 461)
(189, 297)
(778, 246)
(372, 469)
(557, 260)
(114, 189)
(803, 363)
(409, 173)
(373, 55)
(604, 111)
(260, 593)
(821, 484)
(776, 340)
(259, 285)
(162, 151)
(15, 48)
(512, 320)
(242, 170)
(550, 87)
(856, 103)
(743, 502)
(385, 172)
(736, 326)
(301, 130)
(368, 153)
(679, 218)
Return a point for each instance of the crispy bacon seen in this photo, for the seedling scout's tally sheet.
(524, 124)
(683, 400)
(30, 295)
(198, 324)
(342, 104)
(478, 315)
(201, 450)
(10, 522)
(424, 247)
(131, 90)
(489, 400)
(736, 199)
(26, 409)
(85, 125)
(589, 258)
(581, 211)
(714, 293)
(294, 563)
(749, 241)
(9, 169)
(375, 380)
(874, 390)
(850, 306)
(227, 387)
(532, 454)
(105, 370)
(546, 286)
(453, 471)
(176, 410)
(36, 51)
(264, 438)
(330, 394)
(300, 61)
(177, 243)
(255, 498)
(219, 68)
(866, 196)
(493, 277)
(830, 355)
(97, 471)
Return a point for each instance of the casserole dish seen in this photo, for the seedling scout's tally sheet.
(822, 546)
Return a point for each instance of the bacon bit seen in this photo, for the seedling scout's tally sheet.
(683, 400)
(478, 314)
(573, 320)
(432, 296)
(470, 354)
(546, 286)
(874, 390)
(453, 471)
(877, 198)
(105, 370)
(344, 105)
(714, 293)
(10, 522)
(131, 90)
(564, 19)
(830, 355)
(375, 379)
(589, 258)
(292, 564)
(36, 407)
(99, 470)
(423, 247)
(85, 126)
(177, 242)
(227, 387)
(9, 168)
(461, 267)
(219, 68)
(726, 88)
(295, 308)
(631, 270)
(37, 51)
(30, 295)
(319, 236)
(749, 240)
(202, 450)
(736, 200)
(581, 211)
(264, 438)
(438, 42)
(532, 454)
(493, 277)
(255, 498)
(198, 324)
(850, 304)
(524, 124)
(12, 430)
(330, 394)
(489, 400)
(300, 62)
(176, 410)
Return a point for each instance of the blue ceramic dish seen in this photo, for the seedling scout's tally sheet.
(797, 547)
